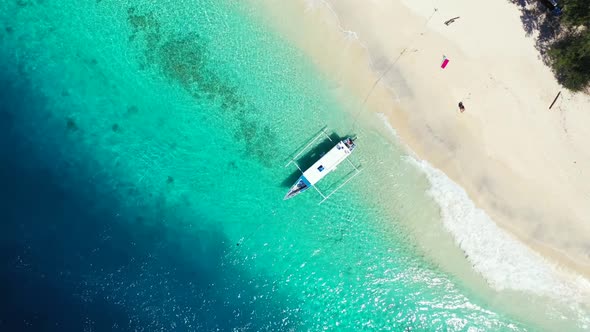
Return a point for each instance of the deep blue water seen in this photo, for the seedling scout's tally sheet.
(73, 259)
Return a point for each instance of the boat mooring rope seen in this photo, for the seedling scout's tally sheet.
(389, 67)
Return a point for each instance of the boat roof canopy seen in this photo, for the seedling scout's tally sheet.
(327, 163)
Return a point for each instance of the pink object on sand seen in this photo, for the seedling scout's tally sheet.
(444, 63)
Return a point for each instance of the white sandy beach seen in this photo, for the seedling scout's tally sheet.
(526, 166)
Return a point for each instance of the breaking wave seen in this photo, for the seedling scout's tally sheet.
(504, 261)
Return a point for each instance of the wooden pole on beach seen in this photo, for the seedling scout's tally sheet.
(554, 100)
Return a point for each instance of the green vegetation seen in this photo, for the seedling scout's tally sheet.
(569, 52)
(570, 60)
(576, 13)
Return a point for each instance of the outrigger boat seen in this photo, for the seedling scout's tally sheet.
(326, 164)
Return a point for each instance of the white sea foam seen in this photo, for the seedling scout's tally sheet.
(392, 130)
(501, 259)
(350, 35)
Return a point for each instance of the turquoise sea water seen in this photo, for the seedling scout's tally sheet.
(143, 151)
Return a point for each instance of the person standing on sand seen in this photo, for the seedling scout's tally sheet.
(461, 107)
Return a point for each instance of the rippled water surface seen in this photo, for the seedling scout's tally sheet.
(142, 149)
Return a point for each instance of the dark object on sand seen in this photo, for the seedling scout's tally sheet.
(451, 20)
(552, 6)
(461, 107)
(554, 100)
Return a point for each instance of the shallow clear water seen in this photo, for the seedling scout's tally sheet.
(143, 148)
